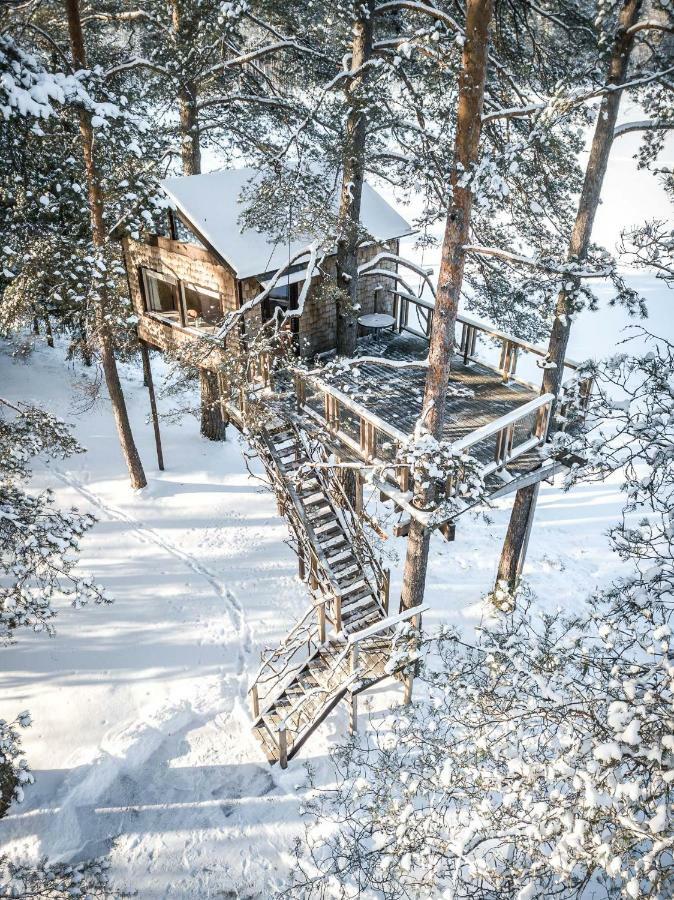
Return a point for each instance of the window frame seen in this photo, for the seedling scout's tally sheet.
(199, 289)
(146, 272)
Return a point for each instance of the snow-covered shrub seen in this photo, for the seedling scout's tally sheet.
(57, 881)
(540, 761)
(38, 547)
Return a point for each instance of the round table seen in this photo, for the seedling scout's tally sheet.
(376, 321)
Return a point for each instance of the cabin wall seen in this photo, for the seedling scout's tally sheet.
(184, 262)
(318, 325)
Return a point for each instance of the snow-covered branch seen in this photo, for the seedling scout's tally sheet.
(642, 125)
(232, 318)
(564, 269)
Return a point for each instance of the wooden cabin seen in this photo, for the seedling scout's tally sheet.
(182, 284)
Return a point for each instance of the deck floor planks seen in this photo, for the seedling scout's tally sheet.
(396, 394)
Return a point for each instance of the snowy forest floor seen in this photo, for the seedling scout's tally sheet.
(141, 731)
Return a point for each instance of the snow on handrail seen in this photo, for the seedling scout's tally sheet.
(358, 636)
(491, 428)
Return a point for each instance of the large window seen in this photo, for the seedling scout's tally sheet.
(283, 298)
(202, 307)
(161, 294)
(181, 302)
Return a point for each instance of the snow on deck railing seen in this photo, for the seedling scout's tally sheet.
(390, 622)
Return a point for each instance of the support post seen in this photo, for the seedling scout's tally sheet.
(300, 564)
(386, 584)
(409, 682)
(255, 701)
(353, 711)
(282, 746)
(147, 375)
(321, 622)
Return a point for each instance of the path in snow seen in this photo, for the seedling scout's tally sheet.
(144, 534)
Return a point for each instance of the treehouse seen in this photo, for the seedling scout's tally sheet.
(184, 284)
(320, 412)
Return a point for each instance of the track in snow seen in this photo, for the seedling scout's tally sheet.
(148, 535)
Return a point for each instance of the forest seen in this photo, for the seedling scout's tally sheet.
(337, 449)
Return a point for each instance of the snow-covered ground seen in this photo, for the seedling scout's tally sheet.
(141, 727)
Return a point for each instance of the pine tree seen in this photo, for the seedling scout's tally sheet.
(622, 36)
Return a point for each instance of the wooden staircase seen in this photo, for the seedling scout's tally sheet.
(303, 679)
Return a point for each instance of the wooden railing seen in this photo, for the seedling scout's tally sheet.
(351, 670)
(511, 347)
(512, 435)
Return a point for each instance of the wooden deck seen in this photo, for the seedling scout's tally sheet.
(477, 393)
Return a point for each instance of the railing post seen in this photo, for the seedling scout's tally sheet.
(359, 494)
(338, 612)
(300, 391)
(283, 746)
(300, 564)
(255, 701)
(385, 589)
(321, 622)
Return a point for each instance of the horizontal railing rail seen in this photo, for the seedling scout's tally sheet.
(512, 435)
(471, 328)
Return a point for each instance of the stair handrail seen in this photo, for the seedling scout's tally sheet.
(351, 522)
(304, 523)
(356, 675)
(270, 654)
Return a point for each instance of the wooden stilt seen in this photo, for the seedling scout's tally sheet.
(529, 526)
(147, 373)
(409, 682)
(321, 622)
(283, 746)
(353, 706)
(353, 714)
(255, 701)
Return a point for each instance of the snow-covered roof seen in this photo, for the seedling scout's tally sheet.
(212, 203)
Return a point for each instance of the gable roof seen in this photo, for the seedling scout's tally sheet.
(212, 204)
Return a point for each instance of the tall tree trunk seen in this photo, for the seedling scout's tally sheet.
(190, 147)
(103, 333)
(457, 231)
(213, 424)
(353, 175)
(579, 245)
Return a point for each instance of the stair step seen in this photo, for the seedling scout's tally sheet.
(322, 516)
(345, 571)
(311, 499)
(341, 559)
(368, 617)
(361, 603)
(353, 585)
(333, 542)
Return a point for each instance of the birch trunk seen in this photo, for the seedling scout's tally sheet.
(579, 245)
(103, 333)
(457, 231)
(353, 175)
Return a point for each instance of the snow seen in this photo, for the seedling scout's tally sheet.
(211, 202)
(141, 729)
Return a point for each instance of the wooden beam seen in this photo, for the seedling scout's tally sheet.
(147, 372)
